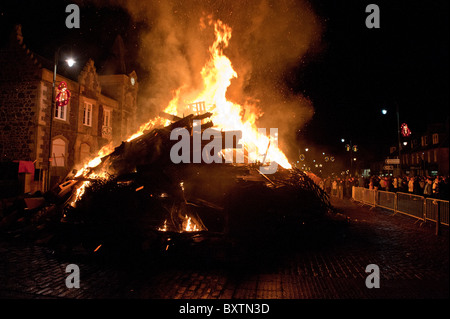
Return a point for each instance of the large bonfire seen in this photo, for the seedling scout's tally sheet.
(136, 187)
(226, 115)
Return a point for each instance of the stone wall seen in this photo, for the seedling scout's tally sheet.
(19, 90)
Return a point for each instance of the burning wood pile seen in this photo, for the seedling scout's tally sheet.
(144, 194)
(137, 195)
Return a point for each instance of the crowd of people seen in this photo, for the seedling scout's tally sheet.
(428, 186)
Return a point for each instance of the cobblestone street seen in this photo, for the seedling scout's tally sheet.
(413, 263)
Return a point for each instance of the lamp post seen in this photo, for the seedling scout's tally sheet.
(70, 63)
(399, 142)
(384, 112)
(352, 149)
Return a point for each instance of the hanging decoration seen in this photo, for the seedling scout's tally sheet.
(405, 130)
(63, 96)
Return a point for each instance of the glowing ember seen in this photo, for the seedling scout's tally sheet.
(188, 225)
(164, 227)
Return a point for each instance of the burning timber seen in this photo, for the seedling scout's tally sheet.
(137, 197)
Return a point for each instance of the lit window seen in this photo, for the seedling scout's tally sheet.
(435, 138)
(424, 141)
(61, 112)
(87, 114)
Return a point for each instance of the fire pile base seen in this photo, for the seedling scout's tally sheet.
(184, 205)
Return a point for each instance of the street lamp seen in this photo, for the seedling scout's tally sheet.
(70, 62)
(352, 149)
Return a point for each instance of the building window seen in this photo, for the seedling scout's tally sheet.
(429, 156)
(87, 114)
(435, 138)
(61, 112)
(107, 121)
(435, 155)
(424, 140)
(58, 152)
(106, 117)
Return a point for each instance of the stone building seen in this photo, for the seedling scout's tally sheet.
(101, 110)
(424, 153)
(427, 154)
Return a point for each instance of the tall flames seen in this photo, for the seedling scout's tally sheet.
(217, 74)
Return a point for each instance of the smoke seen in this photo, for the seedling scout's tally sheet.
(269, 38)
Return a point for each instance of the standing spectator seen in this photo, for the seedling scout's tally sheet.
(348, 187)
(404, 184)
(371, 183)
(395, 184)
(389, 184)
(382, 183)
(410, 185)
(376, 183)
(422, 182)
(428, 190)
(416, 187)
(340, 188)
(328, 185)
(334, 188)
(436, 187)
(361, 181)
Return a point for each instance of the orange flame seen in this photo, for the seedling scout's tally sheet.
(217, 75)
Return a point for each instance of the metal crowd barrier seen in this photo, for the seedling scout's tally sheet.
(419, 207)
(386, 200)
(411, 205)
(369, 197)
(437, 207)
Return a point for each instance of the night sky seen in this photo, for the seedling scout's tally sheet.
(350, 77)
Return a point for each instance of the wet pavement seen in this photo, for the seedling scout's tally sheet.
(329, 263)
